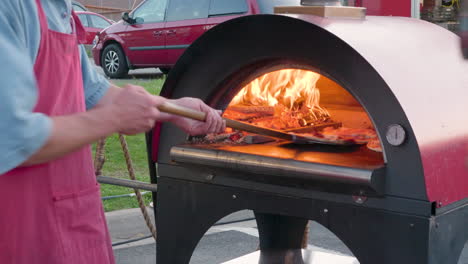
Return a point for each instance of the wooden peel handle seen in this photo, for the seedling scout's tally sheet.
(174, 109)
(200, 116)
(182, 111)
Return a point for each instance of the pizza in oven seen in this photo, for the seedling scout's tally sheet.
(374, 145)
(358, 135)
(341, 136)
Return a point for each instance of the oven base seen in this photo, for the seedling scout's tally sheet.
(186, 210)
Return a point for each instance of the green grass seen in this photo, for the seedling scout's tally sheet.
(89, 53)
(153, 86)
(115, 165)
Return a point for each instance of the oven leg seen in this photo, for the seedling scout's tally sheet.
(280, 238)
(185, 212)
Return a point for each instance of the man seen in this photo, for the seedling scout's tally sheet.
(52, 106)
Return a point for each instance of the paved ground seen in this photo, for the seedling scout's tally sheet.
(220, 244)
(139, 74)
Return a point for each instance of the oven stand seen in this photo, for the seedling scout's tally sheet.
(186, 210)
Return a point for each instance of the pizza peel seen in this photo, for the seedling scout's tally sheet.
(294, 138)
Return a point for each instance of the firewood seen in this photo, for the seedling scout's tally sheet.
(264, 110)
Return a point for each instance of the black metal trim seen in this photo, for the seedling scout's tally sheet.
(227, 14)
(306, 171)
(153, 172)
(159, 47)
(341, 193)
(147, 48)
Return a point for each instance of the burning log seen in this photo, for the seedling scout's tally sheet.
(284, 99)
(231, 138)
(247, 113)
(250, 109)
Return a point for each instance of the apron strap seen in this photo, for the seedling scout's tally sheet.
(77, 27)
(42, 19)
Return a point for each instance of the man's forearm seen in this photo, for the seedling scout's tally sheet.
(130, 110)
(108, 96)
(70, 133)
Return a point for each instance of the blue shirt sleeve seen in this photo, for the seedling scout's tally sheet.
(95, 85)
(22, 132)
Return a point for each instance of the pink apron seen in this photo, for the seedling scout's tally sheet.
(52, 213)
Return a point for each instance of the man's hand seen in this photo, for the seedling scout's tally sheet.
(213, 124)
(134, 109)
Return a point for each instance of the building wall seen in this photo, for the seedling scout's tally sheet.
(112, 9)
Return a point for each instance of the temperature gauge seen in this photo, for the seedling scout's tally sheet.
(396, 135)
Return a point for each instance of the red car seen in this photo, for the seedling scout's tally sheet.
(157, 32)
(93, 24)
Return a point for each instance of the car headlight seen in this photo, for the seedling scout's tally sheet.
(96, 40)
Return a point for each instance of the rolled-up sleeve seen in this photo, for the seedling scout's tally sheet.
(22, 132)
(95, 85)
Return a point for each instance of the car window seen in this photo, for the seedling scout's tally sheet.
(226, 7)
(151, 11)
(77, 7)
(99, 22)
(187, 9)
(267, 6)
(84, 19)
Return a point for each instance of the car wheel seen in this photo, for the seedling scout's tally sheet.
(165, 70)
(113, 61)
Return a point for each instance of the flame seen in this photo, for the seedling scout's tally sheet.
(288, 90)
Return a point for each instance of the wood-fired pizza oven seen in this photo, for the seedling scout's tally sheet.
(403, 78)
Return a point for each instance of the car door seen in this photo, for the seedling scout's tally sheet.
(97, 24)
(185, 22)
(85, 22)
(145, 39)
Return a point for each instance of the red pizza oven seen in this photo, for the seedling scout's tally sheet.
(403, 78)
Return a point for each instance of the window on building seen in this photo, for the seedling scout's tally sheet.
(227, 7)
(267, 6)
(151, 11)
(77, 7)
(187, 9)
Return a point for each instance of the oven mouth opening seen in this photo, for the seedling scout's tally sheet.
(294, 98)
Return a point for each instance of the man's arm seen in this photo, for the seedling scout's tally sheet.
(131, 109)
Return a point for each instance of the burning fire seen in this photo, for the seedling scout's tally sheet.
(289, 95)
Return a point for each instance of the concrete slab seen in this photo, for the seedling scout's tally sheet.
(138, 74)
(313, 255)
(214, 248)
(127, 224)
